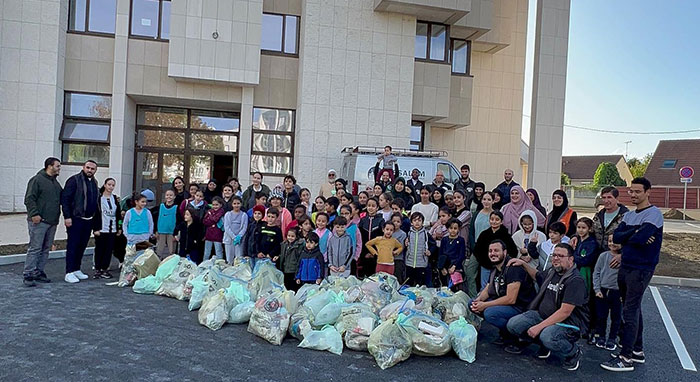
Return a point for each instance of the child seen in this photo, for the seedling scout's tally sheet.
(289, 258)
(397, 220)
(452, 254)
(585, 250)
(214, 235)
(439, 229)
(428, 209)
(385, 248)
(193, 188)
(527, 222)
(189, 233)
(251, 235)
(319, 206)
(331, 208)
(449, 199)
(166, 219)
(310, 262)
(345, 200)
(284, 217)
(306, 226)
(322, 232)
(397, 206)
(269, 237)
(297, 213)
(138, 221)
(370, 227)
(417, 252)
(340, 250)
(235, 227)
(350, 212)
(260, 200)
(198, 205)
(385, 200)
(607, 295)
(388, 162)
(542, 251)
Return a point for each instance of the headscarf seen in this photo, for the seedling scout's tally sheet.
(440, 202)
(498, 205)
(403, 195)
(208, 194)
(512, 211)
(537, 203)
(558, 211)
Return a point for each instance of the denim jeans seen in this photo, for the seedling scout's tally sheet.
(558, 339)
(41, 237)
(218, 249)
(485, 274)
(632, 283)
(498, 316)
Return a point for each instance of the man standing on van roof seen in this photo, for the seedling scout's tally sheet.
(327, 188)
(466, 185)
(506, 185)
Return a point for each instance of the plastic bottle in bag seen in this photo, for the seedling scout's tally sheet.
(389, 344)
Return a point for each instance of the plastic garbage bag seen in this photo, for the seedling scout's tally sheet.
(306, 291)
(319, 300)
(340, 284)
(239, 299)
(214, 311)
(300, 323)
(351, 315)
(377, 294)
(199, 290)
(174, 284)
(240, 314)
(396, 307)
(266, 277)
(389, 344)
(422, 296)
(330, 313)
(387, 278)
(150, 284)
(127, 276)
(451, 308)
(353, 294)
(463, 339)
(325, 339)
(270, 319)
(241, 269)
(430, 336)
(146, 264)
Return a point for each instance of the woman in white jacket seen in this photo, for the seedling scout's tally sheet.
(528, 228)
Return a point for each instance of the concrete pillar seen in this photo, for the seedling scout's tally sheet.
(245, 136)
(548, 94)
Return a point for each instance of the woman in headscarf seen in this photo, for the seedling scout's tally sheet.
(438, 197)
(519, 203)
(399, 191)
(535, 199)
(211, 190)
(497, 199)
(475, 204)
(561, 213)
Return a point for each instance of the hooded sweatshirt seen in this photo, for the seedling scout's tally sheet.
(522, 239)
(310, 265)
(340, 251)
(415, 252)
(542, 251)
(235, 224)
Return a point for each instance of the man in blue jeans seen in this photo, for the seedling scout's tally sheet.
(507, 294)
(558, 315)
(640, 234)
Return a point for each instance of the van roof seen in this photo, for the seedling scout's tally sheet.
(351, 150)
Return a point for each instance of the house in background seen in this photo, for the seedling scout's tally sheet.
(670, 156)
(581, 169)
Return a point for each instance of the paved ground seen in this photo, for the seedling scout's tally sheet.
(89, 331)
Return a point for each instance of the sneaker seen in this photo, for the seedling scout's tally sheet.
(29, 282)
(514, 349)
(71, 278)
(592, 339)
(42, 278)
(618, 364)
(97, 275)
(106, 275)
(572, 363)
(612, 346)
(543, 353)
(500, 341)
(601, 343)
(79, 274)
(637, 356)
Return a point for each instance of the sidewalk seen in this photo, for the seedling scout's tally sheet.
(13, 230)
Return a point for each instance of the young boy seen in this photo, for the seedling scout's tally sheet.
(385, 248)
(399, 264)
(310, 262)
(339, 250)
(452, 253)
(289, 258)
(214, 235)
(260, 200)
(439, 229)
(235, 228)
(269, 238)
(542, 251)
(417, 252)
(331, 207)
(251, 235)
(528, 224)
(607, 293)
(166, 218)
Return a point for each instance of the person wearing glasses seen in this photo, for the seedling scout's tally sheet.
(328, 186)
(558, 315)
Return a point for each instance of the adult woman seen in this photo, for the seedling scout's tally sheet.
(236, 185)
(340, 184)
(400, 192)
(519, 203)
(480, 224)
(256, 186)
(437, 197)
(475, 204)
(377, 190)
(561, 213)
(105, 227)
(535, 199)
(180, 192)
(211, 191)
(497, 199)
(227, 195)
(362, 198)
(496, 231)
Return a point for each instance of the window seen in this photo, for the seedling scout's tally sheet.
(85, 130)
(669, 163)
(417, 135)
(279, 33)
(272, 150)
(431, 41)
(151, 19)
(460, 52)
(92, 16)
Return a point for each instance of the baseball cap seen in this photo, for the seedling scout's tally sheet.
(148, 194)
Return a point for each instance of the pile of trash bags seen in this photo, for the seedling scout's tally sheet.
(375, 315)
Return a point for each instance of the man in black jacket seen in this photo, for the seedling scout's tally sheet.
(466, 184)
(415, 184)
(43, 203)
(79, 204)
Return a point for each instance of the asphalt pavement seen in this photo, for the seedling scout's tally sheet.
(93, 332)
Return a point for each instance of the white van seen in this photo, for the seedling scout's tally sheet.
(359, 162)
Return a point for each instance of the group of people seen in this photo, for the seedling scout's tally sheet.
(538, 276)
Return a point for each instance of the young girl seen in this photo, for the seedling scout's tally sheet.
(481, 219)
(235, 227)
(236, 186)
(322, 232)
(319, 206)
(166, 220)
(190, 234)
(138, 221)
(362, 198)
(528, 229)
(227, 195)
(439, 229)
(437, 197)
(400, 236)
(349, 212)
(370, 227)
(462, 213)
(449, 199)
(306, 226)
(251, 233)
(214, 235)
(427, 208)
(377, 190)
(289, 258)
(198, 205)
(193, 188)
(385, 248)
(211, 191)
(585, 250)
(481, 250)
(451, 258)
(105, 228)
(385, 200)
(542, 251)
(305, 196)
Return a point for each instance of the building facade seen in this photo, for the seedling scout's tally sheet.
(151, 89)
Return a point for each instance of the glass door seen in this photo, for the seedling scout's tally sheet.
(156, 171)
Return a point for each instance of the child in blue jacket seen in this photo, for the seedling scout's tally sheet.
(311, 265)
(585, 251)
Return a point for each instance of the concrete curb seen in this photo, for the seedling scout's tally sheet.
(676, 281)
(17, 259)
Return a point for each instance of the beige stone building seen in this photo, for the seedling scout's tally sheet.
(152, 89)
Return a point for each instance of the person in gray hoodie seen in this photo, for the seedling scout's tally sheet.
(339, 250)
(607, 298)
(417, 252)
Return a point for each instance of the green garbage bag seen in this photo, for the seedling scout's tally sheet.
(239, 298)
(300, 323)
(389, 344)
(266, 277)
(150, 284)
(430, 336)
(452, 307)
(325, 339)
(463, 339)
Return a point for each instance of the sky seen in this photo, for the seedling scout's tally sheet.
(633, 65)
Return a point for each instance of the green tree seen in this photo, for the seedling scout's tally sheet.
(565, 180)
(607, 175)
(638, 166)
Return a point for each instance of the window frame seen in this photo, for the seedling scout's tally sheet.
(421, 144)
(87, 22)
(448, 44)
(467, 73)
(160, 23)
(78, 119)
(284, 37)
(290, 134)
(665, 167)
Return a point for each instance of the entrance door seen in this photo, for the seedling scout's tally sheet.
(211, 166)
(156, 171)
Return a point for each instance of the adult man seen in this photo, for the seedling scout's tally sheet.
(79, 205)
(558, 315)
(466, 184)
(439, 182)
(507, 294)
(506, 185)
(256, 187)
(609, 218)
(640, 235)
(415, 184)
(327, 188)
(290, 196)
(43, 202)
